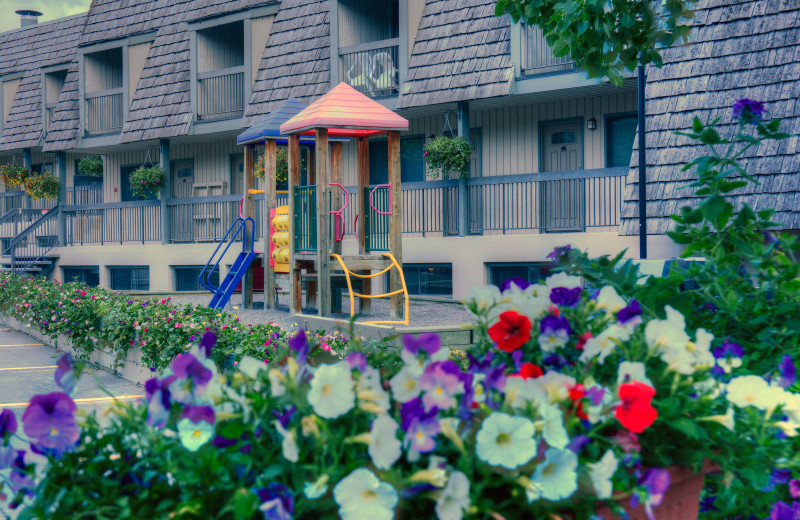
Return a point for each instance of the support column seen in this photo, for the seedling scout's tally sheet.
(362, 158)
(463, 198)
(270, 203)
(61, 171)
(295, 294)
(27, 163)
(395, 223)
(166, 193)
(337, 199)
(323, 224)
(642, 168)
(248, 211)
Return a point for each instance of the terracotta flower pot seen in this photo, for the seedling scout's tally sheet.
(681, 501)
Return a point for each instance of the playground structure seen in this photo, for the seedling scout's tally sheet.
(304, 239)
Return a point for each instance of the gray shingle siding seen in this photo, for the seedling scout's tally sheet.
(738, 49)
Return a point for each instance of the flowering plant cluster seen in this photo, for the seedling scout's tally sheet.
(43, 186)
(281, 165)
(14, 176)
(574, 397)
(147, 181)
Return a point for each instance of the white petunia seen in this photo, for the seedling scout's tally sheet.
(276, 380)
(710, 387)
(520, 392)
(524, 303)
(454, 500)
(250, 366)
(630, 372)
(331, 393)
(556, 475)
(727, 420)
(506, 440)
(601, 473)
(609, 300)
(667, 333)
(562, 280)
(360, 495)
(533, 490)
(384, 448)
(555, 385)
(371, 395)
(602, 345)
(484, 296)
(746, 391)
(289, 447)
(405, 384)
(314, 490)
(554, 433)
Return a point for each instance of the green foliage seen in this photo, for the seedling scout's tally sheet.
(147, 181)
(604, 37)
(448, 154)
(281, 165)
(92, 165)
(14, 176)
(43, 186)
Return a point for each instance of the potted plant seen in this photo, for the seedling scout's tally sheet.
(14, 176)
(42, 186)
(445, 154)
(92, 166)
(147, 181)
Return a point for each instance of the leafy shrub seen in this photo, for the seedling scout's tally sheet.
(43, 186)
(147, 181)
(92, 165)
(445, 154)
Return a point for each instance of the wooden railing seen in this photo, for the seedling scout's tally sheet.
(220, 93)
(371, 67)
(33, 243)
(536, 57)
(104, 113)
(115, 223)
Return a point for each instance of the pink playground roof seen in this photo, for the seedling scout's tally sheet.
(345, 112)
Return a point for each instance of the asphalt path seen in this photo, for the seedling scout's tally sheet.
(27, 368)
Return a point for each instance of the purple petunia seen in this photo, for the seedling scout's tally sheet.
(656, 481)
(299, 343)
(788, 372)
(778, 477)
(429, 342)
(565, 296)
(784, 511)
(440, 381)
(521, 283)
(357, 361)
(65, 374)
(284, 416)
(555, 331)
(794, 488)
(49, 420)
(728, 349)
(578, 443)
(276, 502)
(749, 111)
(630, 315)
(8, 423)
(207, 342)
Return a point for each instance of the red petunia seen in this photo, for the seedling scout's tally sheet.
(511, 332)
(636, 412)
(529, 370)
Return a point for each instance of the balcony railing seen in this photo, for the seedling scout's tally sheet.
(115, 223)
(220, 93)
(104, 112)
(536, 56)
(371, 68)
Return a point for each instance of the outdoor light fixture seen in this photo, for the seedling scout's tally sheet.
(591, 124)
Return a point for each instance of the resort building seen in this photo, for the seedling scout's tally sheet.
(172, 84)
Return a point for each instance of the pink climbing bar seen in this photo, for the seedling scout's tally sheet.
(390, 199)
(339, 218)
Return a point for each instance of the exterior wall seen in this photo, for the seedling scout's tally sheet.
(362, 21)
(10, 88)
(415, 8)
(137, 56)
(259, 34)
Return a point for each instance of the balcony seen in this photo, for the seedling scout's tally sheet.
(104, 113)
(536, 57)
(220, 72)
(103, 92)
(220, 93)
(371, 68)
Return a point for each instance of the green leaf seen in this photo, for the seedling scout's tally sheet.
(717, 210)
(245, 504)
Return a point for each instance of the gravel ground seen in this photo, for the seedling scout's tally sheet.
(422, 313)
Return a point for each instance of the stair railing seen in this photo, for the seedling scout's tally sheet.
(20, 218)
(45, 227)
(240, 226)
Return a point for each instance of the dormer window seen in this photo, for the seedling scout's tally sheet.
(103, 92)
(221, 71)
(53, 84)
(369, 42)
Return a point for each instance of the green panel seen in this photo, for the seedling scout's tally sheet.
(305, 219)
(620, 132)
(376, 227)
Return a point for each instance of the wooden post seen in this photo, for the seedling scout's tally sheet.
(323, 224)
(362, 153)
(270, 203)
(164, 163)
(61, 171)
(295, 294)
(395, 223)
(463, 195)
(337, 199)
(249, 211)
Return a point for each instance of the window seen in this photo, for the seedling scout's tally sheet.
(221, 71)
(530, 271)
(563, 137)
(186, 278)
(103, 92)
(427, 279)
(53, 84)
(89, 275)
(129, 278)
(125, 185)
(620, 132)
(86, 189)
(412, 165)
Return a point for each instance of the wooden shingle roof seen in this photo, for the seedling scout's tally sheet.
(739, 49)
(461, 52)
(296, 61)
(109, 20)
(27, 50)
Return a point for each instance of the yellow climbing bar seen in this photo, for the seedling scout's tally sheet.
(403, 290)
(255, 192)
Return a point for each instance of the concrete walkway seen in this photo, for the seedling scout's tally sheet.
(26, 369)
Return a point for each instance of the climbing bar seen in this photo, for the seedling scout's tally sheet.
(403, 290)
(372, 205)
(367, 276)
(398, 291)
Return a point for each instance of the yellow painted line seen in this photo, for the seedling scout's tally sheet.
(81, 401)
(23, 345)
(29, 368)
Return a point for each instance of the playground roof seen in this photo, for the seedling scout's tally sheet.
(270, 126)
(345, 112)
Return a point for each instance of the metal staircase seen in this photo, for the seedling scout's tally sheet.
(28, 251)
(223, 293)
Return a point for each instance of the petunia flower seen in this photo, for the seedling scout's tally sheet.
(511, 331)
(196, 426)
(440, 382)
(289, 448)
(630, 316)
(529, 370)
(555, 331)
(8, 423)
(609, 301)
(629, 372)
(299, 343)
(565, 297)
(604, 344)
(601, 473)
(788, 371)
(454, 500)
(331, 394)
(276, 502)
(405, 384)
(384, 447)
(506, 440)
(520, 283)
(65, 375)
(316, 489)
(656, 481)
(556, 476)
(562, 280)
(635, 411)
(553, 431)
(754, 391)
(49, 420)
(360, 495)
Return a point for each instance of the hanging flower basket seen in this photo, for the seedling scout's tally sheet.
(14, 176)
(42, 186)
(147, 181)
(92, 166)
(448, 154)
(281, 166)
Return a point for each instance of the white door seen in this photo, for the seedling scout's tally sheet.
(562, 200)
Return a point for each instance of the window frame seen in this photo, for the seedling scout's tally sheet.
(408, 137)
(81, 268)
(538, 264)
(112, 268)
(408, 267)
(199, 268)
(607, 119)
(62, 67)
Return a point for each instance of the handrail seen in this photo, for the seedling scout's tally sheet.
(243, 229)
(38, 254)
(18, 211)
(33, 227)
